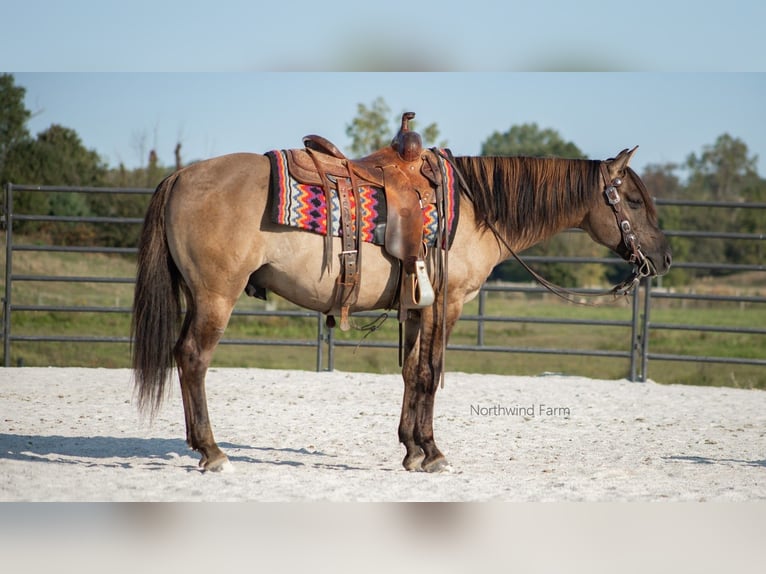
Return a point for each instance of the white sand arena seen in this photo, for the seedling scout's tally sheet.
(73, 434)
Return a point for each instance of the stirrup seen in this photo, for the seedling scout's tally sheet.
(418, 291)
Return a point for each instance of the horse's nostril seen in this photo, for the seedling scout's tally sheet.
(668, 259)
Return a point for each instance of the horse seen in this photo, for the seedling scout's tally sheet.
(207, 237)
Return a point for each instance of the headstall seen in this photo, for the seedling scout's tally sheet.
(644, 267)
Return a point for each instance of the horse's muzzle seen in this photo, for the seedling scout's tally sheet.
(664, 267)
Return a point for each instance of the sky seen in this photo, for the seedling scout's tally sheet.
(123, 115)
(331, 35)
(237, 75)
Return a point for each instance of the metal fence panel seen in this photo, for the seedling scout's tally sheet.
(637, 351)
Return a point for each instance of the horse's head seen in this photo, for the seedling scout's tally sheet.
(624, 218)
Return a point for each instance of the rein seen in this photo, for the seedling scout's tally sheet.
(642, 266)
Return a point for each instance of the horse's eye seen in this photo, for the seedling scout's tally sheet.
(634, 202)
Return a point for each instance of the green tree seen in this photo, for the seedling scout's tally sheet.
(530, 140)
(753, 221)
(373, 128)
(369, 129)
(13, 118)
(663, 182)
(723, 171)
(128, 205)
(56, 157)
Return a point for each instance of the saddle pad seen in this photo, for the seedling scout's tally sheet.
(303, 206)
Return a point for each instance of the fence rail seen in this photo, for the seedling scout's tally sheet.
(636, 351)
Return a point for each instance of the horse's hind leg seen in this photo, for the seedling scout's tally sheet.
(205, 323)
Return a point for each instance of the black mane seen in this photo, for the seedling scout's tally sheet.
(528, 196)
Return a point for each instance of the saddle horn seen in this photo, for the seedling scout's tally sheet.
(407, 144)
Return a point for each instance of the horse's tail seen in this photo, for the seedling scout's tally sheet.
(156, 305)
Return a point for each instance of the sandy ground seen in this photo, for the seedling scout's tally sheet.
(75, 435)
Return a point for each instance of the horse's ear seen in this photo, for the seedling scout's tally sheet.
(619, 163)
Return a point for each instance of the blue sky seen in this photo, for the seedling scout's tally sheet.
(669, 115)
(449, 35)
(238, 75)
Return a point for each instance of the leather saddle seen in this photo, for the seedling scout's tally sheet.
(409, 177)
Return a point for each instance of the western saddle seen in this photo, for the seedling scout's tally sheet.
(410, 178)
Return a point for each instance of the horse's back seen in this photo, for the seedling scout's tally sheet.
(227, 186)
(235, 173)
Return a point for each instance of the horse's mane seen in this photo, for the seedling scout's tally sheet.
(517, 195)
(529, 197)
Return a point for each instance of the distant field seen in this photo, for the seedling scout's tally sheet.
(519, 334)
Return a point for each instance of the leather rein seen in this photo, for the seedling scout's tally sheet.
(643, 267)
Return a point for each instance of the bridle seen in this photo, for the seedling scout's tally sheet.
(643, 266)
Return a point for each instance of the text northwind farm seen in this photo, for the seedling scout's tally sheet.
(532, 410)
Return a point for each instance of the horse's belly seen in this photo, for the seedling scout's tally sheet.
(300, 275)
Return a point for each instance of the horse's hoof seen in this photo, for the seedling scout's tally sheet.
(220, 464)
(414, 462)
(441, 464)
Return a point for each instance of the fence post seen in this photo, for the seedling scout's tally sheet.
(635, 336)
(331, 350)
(480, 322)
(645, 328)
(325, 336)
(8, 219)
(320, 341)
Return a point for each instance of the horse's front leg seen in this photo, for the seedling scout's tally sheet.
(422, 380)
(429, 376)
(414, 456)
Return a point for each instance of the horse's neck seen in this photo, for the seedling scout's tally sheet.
(491, 246)
(527, 238)
(529, 200)
(530, 233)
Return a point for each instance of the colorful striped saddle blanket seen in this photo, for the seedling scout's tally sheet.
(304, 206)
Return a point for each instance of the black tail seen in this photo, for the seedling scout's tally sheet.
(156, 305)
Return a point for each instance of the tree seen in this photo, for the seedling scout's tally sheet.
(663, 183)
(753, 221)
(722, 170)
(13, 117)
(372, 129)
(530, 140)
(58, 157)
(55, 157)
(128, 205)
(368, 130)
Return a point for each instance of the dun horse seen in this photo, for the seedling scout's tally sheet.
(208, 235)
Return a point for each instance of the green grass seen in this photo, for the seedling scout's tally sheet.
(524, 334)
